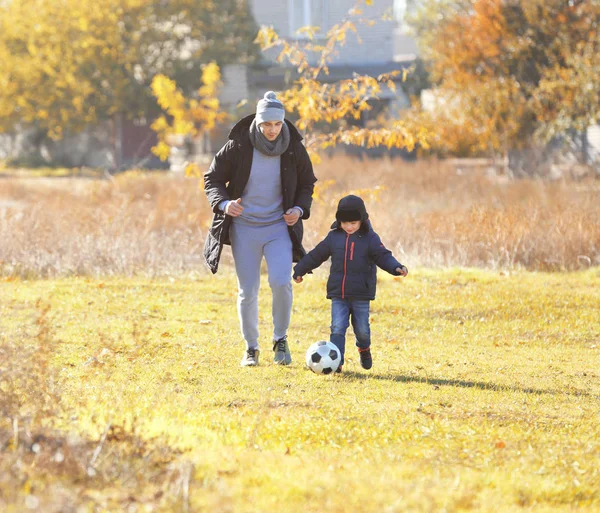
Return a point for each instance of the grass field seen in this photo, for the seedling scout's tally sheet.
(125, 394)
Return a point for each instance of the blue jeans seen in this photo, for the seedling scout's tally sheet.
(342, 312)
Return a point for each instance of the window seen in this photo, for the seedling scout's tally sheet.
(303, 13)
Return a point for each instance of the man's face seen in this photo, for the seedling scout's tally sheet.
(350, 226)
(271, 129)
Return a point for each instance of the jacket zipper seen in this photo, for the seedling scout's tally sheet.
(345, 260)
(352, 251)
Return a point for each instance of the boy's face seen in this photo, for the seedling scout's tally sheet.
(350, 226)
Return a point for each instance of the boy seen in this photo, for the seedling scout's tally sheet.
(355, 251)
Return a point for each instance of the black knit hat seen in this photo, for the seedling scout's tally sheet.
(348, 215)
(351, 208)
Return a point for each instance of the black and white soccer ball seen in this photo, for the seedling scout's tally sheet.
(323, 357)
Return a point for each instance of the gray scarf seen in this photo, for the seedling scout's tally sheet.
(266, 147)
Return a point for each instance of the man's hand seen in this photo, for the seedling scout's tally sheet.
(234, 208)
(298, 279)
(291, 216)
(402, 271)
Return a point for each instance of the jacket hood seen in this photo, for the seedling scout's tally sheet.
(240, 130)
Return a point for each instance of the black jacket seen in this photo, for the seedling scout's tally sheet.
(228, 175)
(354, 258)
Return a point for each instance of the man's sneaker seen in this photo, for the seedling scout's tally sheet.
(338, 370)
(250, 358)
(366, 361)
(282, 352)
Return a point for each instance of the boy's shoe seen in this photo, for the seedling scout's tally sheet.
(366, 360)
(338, 370)
(282, 352)
(250, 358)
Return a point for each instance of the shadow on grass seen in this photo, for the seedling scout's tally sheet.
(438, 382)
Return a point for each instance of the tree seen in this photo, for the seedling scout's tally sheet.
(510, 72)
(323, 109)
(186, 118)
(65, 64)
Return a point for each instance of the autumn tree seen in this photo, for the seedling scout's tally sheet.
(186, 118)
(65, 64)
(509, 73)
(323, 107)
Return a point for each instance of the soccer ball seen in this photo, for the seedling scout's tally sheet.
(323, 357)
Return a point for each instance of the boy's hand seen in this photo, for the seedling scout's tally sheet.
(298, 279)
(402, 270)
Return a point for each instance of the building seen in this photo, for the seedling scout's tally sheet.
(374, 49)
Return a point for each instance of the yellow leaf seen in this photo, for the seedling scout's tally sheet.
(162, 150)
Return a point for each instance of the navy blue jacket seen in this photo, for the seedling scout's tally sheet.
(354, 262)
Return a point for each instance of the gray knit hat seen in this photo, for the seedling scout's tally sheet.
(269, 108)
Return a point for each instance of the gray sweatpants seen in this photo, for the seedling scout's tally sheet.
(249, 244)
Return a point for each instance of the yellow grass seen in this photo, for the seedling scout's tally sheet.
(125, 394)
(427, 213)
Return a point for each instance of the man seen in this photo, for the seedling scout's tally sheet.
(260, 186)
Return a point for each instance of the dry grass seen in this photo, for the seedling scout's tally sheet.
(132, 224)
(429, 214)
(51, 470)
(435, 216)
